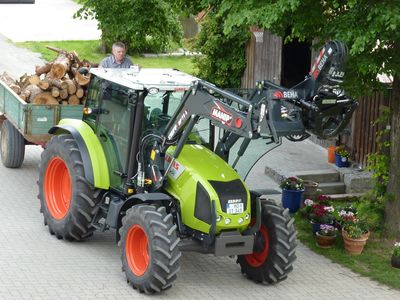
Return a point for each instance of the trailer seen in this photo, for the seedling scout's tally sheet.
(24, 123)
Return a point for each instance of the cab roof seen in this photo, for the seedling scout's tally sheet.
(147, 78)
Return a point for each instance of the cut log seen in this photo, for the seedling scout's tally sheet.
(60, 66)
(34, 91)
(64, 94)
(72, 56)
(71, 86)
(25, 95)
(44, 84)
(80, 92)
(81, 79)
(34, 79)
(73, 100)
(24, 81)
(39, 70)
(44, 98)
(10, 82)
(57, 83)
(55, 92)
(64, 102)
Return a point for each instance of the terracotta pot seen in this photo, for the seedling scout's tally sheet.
(324, 241)
(395, 261)
(354, 246)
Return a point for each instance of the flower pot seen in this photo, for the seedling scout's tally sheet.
(325, 241)
(331, 154)
(340, 161)
(291, 199)
(395, 261)
(315, 227)
(354, 246)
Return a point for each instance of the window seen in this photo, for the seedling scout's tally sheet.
(113, 130)
(160, 107)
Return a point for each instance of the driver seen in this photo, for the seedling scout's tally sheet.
(117, 59)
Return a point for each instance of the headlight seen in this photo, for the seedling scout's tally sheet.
(247, 216)
(219, 218)
(227, 221)
(240, 221)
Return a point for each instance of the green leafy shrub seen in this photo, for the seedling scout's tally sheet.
(223, 59)
(144, 26)
(379, 161)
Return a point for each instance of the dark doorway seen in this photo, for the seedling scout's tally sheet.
(296, 62)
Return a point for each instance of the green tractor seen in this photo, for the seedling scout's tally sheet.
(149, 160)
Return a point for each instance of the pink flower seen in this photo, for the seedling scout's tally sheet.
(308, 202)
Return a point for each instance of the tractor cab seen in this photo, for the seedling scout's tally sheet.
(112, 110)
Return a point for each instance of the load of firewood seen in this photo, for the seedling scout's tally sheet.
(63, 81)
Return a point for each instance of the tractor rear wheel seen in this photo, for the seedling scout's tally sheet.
(149, 244)
(274, 246)
(68, 201)
(12, 146)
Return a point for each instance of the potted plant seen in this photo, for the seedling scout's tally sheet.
(354, 231)
(396, 255)
(341, 157)
(292, 191)
(320, 214)
(326, 236)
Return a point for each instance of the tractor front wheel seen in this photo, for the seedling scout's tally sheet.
(149, 244)
(274, 247)
(68, 201)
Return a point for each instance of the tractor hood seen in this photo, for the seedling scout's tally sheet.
(199, 177)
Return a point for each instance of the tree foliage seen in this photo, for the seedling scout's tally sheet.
(370, 28)
(143, 25)
(223, 59)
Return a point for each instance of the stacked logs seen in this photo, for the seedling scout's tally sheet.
(57, 82)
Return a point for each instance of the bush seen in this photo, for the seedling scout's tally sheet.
(144, 26)
(224, 55)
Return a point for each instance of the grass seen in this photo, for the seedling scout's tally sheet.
(374, 262)
(90, 50)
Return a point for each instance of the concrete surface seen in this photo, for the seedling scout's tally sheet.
(17, 61)
(34, 264)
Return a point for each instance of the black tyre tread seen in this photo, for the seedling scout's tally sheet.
(282, 246)
(12, 145)
(76, 225)
(164, 263)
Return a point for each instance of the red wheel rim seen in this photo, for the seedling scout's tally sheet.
(258, 257)
(136, 250)
(57, 188)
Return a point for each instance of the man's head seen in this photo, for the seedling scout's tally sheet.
(118, 50)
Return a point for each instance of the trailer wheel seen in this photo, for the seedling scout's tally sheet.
(274, 247)
(149, 245)
(12, 145)
(68, 201)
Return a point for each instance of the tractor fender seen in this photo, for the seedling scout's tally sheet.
(94, 160)
(118, 207)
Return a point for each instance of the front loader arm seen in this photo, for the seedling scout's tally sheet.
(199, 102)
